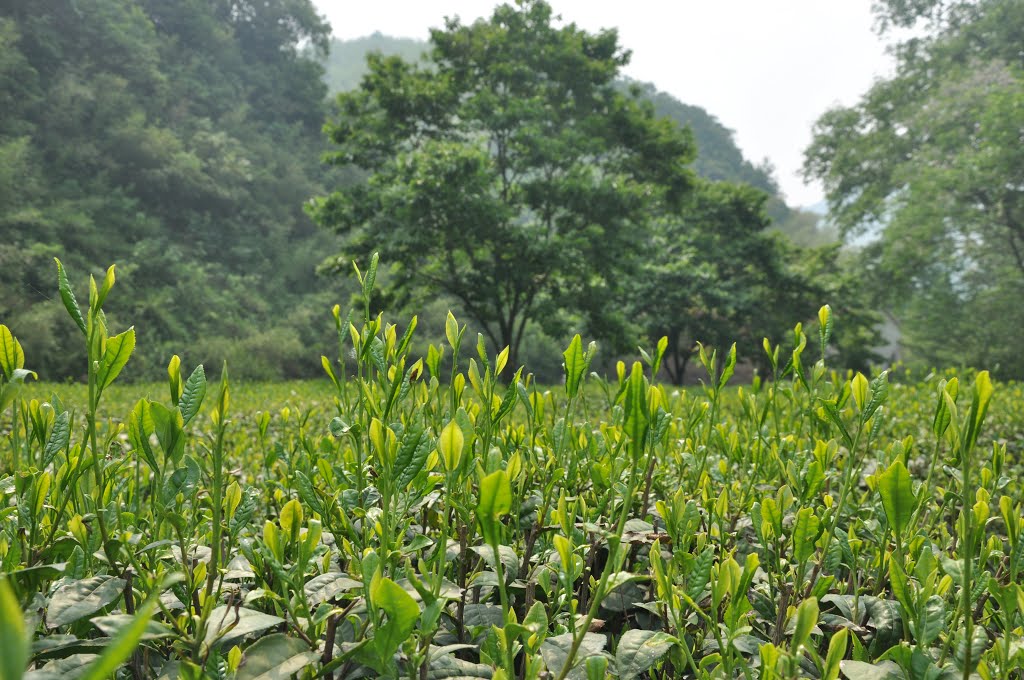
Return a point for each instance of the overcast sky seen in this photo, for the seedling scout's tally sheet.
(765, 68)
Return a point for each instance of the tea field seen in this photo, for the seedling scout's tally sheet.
(445, 517)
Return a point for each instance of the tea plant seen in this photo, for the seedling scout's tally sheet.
(445, 516)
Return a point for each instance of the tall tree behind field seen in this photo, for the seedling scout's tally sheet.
(718, 156)
(929, 166)
(509, 173)
(178, 139)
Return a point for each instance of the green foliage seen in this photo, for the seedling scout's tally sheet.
(926, 171)
(715, 274)
(181, 139)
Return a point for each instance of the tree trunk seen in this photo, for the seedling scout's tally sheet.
(675, 367)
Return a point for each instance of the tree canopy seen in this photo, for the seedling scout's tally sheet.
(929, 169)
(509, 172)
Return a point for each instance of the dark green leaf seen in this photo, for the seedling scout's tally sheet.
(638, 650)
(275, 657)
(402, 614)
(68, 297)
(230, 623)
(78, 599)
(192, 395)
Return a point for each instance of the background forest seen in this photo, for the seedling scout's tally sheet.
(184, 141)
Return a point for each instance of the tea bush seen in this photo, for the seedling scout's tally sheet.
(445, 516)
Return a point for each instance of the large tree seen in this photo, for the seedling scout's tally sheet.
(929, 168)
(716, 274)
(508, 171)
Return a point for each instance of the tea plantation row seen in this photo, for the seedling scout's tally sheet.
(445, 517)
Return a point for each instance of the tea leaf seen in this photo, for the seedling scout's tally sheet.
(59, 437)
(108, 283)
(192, 395)
(700, 574)
(402, 611)
(575, 366)
(228, 623)
(879, 394)
(979, 407)
(635, 407)
(326, 586)
(450, 445)
(291, 516)
(412, 456)
(805, 533)
(275, 657)
(451, 331)
(68, 297)
(12, 356)
(119, 350)
(555, 650)
(898, 497)
(858, 670)
(931, 621)
(729, 368)
(638, 650)
(859, 387)
(836, 651)
(167, 425)
(806, 619)
(78, 599)
(121, 647)
(495, 495)
(114, 624)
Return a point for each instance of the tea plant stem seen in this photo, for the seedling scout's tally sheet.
(649, 478)
(926, 489)
(503, 598)
(97, 458)
(217, 502)
(967, 512)
(329, 635)
(850, 474)
(460, 616)
(614, 546)
(16, 436)
(948, 644)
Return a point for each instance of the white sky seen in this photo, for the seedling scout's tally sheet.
(765, 68)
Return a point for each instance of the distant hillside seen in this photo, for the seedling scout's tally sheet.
(719, 158)
(179, 141)
(346, 62)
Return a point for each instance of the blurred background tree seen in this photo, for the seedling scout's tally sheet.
(926, 175)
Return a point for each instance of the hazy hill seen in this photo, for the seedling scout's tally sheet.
(346, 62)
